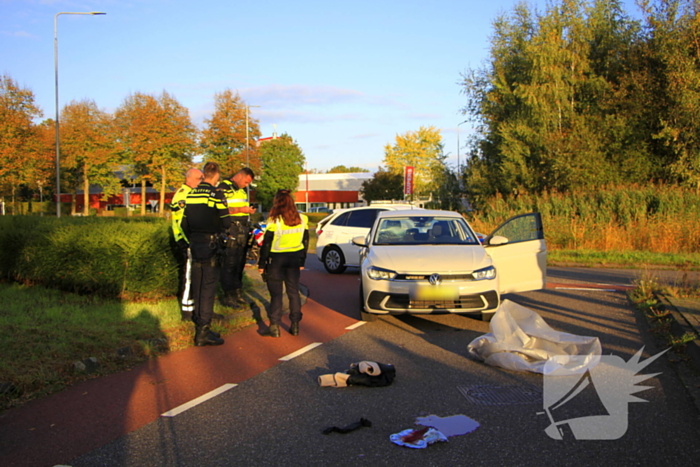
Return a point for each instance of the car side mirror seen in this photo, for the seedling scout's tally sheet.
(360, 241)
(497, 240)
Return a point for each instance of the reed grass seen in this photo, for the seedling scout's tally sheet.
(622, 221)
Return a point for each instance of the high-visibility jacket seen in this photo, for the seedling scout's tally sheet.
(177, 208)
(281, 239)
(235, 198)
(287, 239)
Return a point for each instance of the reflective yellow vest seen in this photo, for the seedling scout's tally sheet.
(288, 239)
(177, 208)
(235, 198)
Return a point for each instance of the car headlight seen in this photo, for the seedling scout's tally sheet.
(484, 274)
(379, 274)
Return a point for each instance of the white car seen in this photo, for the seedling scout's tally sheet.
(335, 233)
(433, 262)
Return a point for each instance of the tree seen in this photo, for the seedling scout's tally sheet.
(422, 150)
(674, 49)
(384, 185)
(88, 149)
(552, 103)
(448, 192)
(223, 139)
(341, 169)
(157, 139)
(41, 172)
(17, 134)
(282, 162)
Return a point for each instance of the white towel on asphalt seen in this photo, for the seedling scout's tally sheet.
(521, 340)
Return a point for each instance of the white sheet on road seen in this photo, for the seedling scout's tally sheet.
(521, 340)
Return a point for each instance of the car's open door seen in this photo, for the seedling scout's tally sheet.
(521, 262)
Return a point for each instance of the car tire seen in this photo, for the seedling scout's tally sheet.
(369, 317)
(333, 260)
(486, 317)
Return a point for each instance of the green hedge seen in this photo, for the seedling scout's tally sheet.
(115, 257)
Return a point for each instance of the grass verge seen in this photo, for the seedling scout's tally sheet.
(626, 259)
(50, 339)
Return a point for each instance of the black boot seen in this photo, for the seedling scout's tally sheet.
(294, 329)
(204, 336)
(238, 297)
(272, 331)
(229, 300)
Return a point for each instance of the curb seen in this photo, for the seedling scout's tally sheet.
(689, 374)
(680, 326)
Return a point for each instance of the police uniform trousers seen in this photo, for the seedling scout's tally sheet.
(283, 273)
(235, 258)
(184, 263)
(205, 278)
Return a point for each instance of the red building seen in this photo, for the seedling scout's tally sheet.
(334, 191)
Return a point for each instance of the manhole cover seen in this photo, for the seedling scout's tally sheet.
(501, 395)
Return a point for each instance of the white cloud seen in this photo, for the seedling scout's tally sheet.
(284, 96)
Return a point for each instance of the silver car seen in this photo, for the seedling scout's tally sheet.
(433, 262)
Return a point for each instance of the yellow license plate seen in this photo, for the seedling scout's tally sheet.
(435, 292)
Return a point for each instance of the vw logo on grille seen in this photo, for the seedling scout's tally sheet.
(435, 279)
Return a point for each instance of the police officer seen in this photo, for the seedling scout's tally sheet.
(205, 220)
(282, 258)
(193, 177)
(237, 243)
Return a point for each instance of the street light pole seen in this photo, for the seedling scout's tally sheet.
(55, 61)
(458, 172)
(247, 144)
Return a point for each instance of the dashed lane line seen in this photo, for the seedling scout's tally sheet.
(301, 351)
(199, 400)
(356, 325)
(220, 390)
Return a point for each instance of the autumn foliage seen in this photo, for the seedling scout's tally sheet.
(157, 137)
(22, 150)
(224, 139)
(149, 140)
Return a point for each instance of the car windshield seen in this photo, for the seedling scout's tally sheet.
(424, 230)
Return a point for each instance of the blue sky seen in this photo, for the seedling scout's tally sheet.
(342, 78)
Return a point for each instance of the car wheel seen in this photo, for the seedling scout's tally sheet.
(333, 260)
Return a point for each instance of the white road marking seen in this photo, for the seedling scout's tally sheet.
(300, 351)
(587, 288)
(199, 400)
(356, 325)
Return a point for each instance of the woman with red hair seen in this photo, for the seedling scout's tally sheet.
(282, 258)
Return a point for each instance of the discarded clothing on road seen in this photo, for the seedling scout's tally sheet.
(417, 438)
(454, 425)
(347, 429)
(364, 373)
(521, 340)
